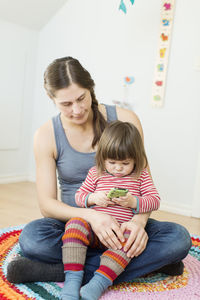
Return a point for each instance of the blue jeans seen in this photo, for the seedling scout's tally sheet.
(168, 243)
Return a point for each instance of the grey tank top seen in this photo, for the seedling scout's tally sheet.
(72, 165)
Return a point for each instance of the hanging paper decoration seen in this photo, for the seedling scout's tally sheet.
(122, 5)
(159, 82)
(127, 97)
(129, 79)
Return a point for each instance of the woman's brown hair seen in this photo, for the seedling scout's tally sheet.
(121, 141)
(61, 73)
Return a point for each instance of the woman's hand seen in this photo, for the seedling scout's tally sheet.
(107, 229)
(99, 198)
(137, 240)
(126, 201)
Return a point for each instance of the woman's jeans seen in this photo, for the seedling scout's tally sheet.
(168, 243)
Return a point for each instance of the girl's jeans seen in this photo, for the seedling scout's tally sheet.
(168, 243)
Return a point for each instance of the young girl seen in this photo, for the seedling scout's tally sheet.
(120, 162)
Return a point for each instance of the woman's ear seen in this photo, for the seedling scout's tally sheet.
(50, 96)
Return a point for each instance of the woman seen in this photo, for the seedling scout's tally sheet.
(67, 144)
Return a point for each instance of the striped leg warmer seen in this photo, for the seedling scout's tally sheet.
(75, 242)
(113, 263)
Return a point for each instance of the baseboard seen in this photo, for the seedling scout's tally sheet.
(31, 178)
(180, 209)
(13, 178)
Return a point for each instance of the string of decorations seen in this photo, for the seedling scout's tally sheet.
(122, 5)
(161, 65)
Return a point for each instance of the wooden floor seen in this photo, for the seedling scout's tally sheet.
(18, 205)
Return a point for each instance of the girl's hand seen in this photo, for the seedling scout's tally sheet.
(126, 201)
(99, 198)
(137, 240)
(107, 229)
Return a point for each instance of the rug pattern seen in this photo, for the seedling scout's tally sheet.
(153, 286)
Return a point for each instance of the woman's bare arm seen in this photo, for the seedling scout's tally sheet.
(46, 181)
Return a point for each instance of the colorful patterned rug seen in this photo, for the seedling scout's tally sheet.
(154, 286)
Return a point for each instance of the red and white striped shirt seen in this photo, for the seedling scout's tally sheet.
(141, 187)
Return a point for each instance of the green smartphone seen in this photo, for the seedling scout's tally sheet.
(117, 192)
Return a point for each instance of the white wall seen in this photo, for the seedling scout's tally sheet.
(196, 202)
(112, 45)
(17, 77)
(174, 130)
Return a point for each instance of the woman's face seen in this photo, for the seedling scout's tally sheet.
(74, 103)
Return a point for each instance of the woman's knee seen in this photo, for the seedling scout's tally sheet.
(179, 242)
(183, 239)
(40, 239)
(171, 237)
(28, 240)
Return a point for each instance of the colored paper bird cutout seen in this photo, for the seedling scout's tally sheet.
(165, 22)
(167, 6)
(157, 98)
(162, 52)
(164, 37)
(160, 67)
(159, 82)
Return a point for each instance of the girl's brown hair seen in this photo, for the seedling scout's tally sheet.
(61, 73)
(121, 141)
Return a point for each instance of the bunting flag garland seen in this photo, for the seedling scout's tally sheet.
(122, 5)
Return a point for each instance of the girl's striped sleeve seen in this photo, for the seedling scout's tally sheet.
(87, 187)
(149, 199)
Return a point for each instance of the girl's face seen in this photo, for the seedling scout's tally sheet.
(119, 168)
(74, 102)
